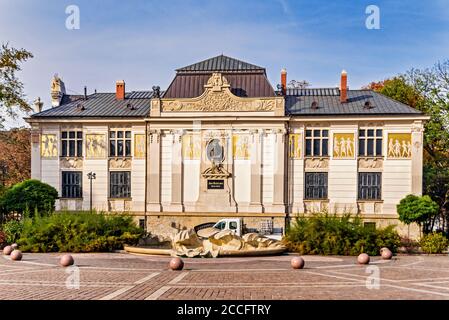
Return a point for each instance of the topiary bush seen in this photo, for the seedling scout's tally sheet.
(78, 232)
(434, 243)
(29, 196)
(416, 209)
(326, 234)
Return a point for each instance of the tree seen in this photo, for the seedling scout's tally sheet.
(417, 209)
(11, 88)
(29, 196)
(15, 156)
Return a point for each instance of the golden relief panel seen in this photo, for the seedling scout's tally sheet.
(191, 147)
(49, 146)
(399, 146)
(139, 146)
(95, 146)
(295, 143)
(240, 147)
(343, 145)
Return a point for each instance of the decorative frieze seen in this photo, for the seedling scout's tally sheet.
(71, 163)
(317, 163)
(49, 146)
(370, 164)
(95, 146)
(399, 146)
(120, 163)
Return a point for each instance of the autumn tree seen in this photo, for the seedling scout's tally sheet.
(15, 156)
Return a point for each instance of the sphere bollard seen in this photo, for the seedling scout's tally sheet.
(386, 253)
(297, 263)
(16, 255)
(66, 260)
(14, 246)
(176, 264)
(363, 258)
(7, 250)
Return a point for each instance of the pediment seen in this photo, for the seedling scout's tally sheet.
(217, 97)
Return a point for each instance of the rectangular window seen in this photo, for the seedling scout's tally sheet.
(370, 142)
(72, 184)
(72, 143)
(120, 143)
(120, 184)
(315, 185)
(317, 143)
(370, 185)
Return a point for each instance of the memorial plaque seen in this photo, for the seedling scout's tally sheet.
(215, 184)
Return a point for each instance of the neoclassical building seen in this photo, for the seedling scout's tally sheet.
(221, 142)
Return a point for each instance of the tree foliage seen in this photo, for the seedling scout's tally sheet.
(15, 156)
(416, 209)
(11, 88)
(29, 196)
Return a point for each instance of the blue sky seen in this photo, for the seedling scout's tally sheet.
(143, 42)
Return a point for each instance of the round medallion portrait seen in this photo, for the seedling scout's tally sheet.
(214, 151)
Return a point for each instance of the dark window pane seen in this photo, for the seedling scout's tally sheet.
(128, 148)
(71, 148)
(128, 134)
(72, 134)
(64, 148)
(308, 133)
(325, 133)
(316, 133)
(378, 147)
(370, 132)
(324, 151)
(64, 135)
(316, 147)
(79, 148)
(119, 134)
(379, 133)
(112, 134)
(120, 184)
(316, 185)
(361, 133)
(361, 147)
(308, 147)
(79, 135)
(370, 147)
(370, 185)
(120, 148)
(112, 148)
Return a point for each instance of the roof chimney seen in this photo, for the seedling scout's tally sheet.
(120, 90)
(85, 93)
(284, 81)
(344, 87)
(38, 105)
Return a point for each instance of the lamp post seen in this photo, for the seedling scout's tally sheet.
(91, 176)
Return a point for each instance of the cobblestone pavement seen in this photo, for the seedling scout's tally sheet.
(118, 276)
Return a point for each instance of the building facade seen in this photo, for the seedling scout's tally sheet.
(221, 142)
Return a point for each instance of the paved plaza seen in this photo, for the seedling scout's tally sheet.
(120, 276)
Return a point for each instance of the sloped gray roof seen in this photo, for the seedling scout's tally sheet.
(221, 63)
(135, 104)
(300, 103)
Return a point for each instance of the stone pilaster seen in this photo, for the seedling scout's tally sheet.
(417, 157)
(279, 173)
(36, 152)
(154, 171)
(176, 185)
(256, 171)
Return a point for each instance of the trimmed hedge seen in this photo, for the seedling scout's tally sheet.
(326, 234)
(78, 232)
(434, 243)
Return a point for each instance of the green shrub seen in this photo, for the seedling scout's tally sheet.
(78, 232)
(2, 239)
(29, 196)
(434, 243)
(338, 235)
(416, 209)
(12, 230)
